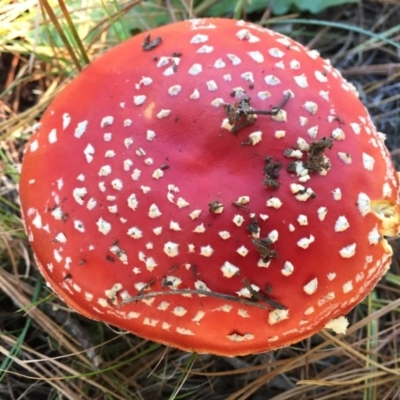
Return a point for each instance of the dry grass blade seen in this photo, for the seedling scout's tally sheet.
(54, 20)
(75, 35)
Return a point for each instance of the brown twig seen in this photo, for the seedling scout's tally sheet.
(222, 296)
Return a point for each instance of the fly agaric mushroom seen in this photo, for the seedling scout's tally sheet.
(213, 186)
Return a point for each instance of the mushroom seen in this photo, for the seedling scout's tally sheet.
(211, 185)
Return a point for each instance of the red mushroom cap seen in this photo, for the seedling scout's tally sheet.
(214, 186)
